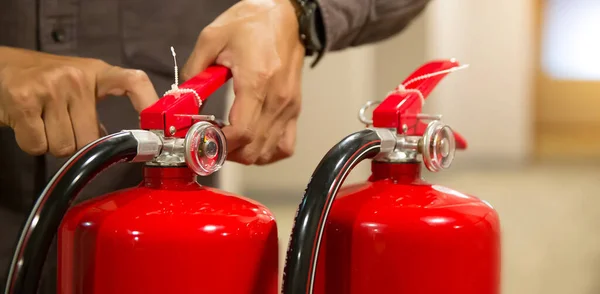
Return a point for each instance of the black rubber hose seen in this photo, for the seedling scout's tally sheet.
(328, 177)
(50, 208)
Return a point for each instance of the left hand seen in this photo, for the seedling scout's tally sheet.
(259, 41)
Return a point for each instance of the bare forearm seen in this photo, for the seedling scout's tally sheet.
(357, 22)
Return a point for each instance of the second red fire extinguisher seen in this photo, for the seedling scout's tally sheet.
(394, 233)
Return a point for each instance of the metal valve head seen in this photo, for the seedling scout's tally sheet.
(438, 146)
(205, 148)
(415, 132)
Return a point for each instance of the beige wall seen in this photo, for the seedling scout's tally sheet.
(490, 102)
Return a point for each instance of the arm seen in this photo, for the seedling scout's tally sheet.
(350, 23)
(264, 42)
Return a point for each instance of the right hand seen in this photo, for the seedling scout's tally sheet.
(50, 101)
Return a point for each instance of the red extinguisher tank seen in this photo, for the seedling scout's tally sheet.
(167, 235)
(399, 234)
(394, 233)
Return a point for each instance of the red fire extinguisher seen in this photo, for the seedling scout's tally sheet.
(167, 235)
(394, 233)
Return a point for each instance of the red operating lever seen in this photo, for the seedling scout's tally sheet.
(173, 113)
(404, 107)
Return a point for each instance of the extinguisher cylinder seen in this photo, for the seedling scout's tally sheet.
(168, 235)
(397, 233)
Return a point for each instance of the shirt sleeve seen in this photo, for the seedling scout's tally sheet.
(349, 23)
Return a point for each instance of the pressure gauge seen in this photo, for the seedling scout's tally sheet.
(438, 146)
(205, 148)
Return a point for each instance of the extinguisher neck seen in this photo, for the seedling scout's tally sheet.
(401, 173)
(171, 178)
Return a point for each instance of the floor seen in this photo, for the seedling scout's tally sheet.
(550, 218)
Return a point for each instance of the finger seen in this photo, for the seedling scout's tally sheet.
(250, 90)
(59, 130)
(267, 127)
(236, 137)
(130, 82)
(287, 103)
(249, 153)
(82, 110)
(285, 145)
(280, 108)
(209, 44)
(275, 134)
(269, 147)
(31, 135)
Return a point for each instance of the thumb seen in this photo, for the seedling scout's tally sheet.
(130, 82)
(208, 46)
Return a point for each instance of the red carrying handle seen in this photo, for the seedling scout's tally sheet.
(403, 107)
(169, 113)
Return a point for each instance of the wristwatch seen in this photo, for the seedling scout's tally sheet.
(312, 30)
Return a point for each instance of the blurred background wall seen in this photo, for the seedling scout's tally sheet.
(520, 115)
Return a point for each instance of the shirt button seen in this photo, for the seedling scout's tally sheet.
(58, 35)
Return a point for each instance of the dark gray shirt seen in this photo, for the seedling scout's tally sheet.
(137, 34)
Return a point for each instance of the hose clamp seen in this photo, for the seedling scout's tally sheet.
(149, 145)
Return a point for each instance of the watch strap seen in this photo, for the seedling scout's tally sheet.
(312, 32)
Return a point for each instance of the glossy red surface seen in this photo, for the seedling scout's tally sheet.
(398, 234)
(169, 235)
(166, 112)
(402, 108)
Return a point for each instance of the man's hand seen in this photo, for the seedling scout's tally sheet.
(258, 40)
(50, 101)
